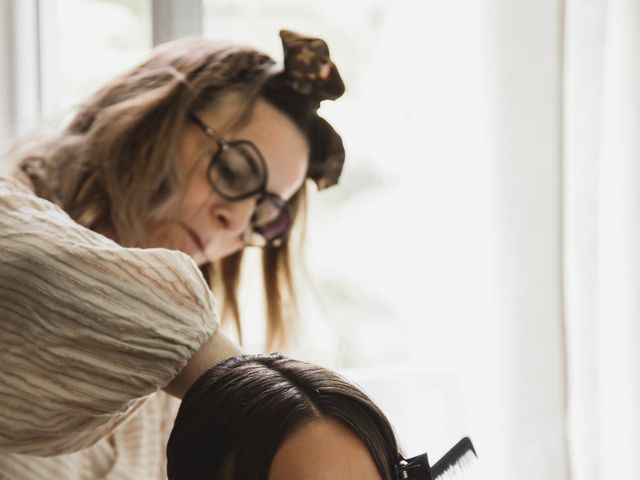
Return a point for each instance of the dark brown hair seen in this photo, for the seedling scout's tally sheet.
(113, 168)
(236, 415)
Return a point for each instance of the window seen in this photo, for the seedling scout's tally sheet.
(397, 289)
(97, 40)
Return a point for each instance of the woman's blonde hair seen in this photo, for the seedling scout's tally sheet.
(113, 168)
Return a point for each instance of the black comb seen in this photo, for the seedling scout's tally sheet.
(454, 463)
(456, 460)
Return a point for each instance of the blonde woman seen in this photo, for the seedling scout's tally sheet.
(113, 231)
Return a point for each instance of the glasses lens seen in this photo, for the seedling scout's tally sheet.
(237, 170)
(271, 221)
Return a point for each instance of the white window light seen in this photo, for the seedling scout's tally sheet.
(175, 18)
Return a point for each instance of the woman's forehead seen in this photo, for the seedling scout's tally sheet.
(323, 448)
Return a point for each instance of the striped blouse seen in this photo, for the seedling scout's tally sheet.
(89, 334)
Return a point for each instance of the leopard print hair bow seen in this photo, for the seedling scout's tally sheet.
(309, 77)
(308, 68)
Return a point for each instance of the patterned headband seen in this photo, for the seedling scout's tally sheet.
(309, 77)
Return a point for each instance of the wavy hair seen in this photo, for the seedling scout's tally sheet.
(113, 167)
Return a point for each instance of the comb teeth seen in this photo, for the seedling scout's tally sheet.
(455, 462)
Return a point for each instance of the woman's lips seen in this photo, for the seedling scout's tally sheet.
(195, 238)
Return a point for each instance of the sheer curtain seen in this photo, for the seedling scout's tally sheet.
(565, 103)
(606, 268)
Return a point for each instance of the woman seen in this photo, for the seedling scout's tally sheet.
(260, 417)
(203, 149)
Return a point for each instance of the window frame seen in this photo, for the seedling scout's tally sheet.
(28, 80)
(174, 19)
(29, 72)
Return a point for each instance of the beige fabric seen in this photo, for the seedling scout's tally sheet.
(89, 332)
(133, 451)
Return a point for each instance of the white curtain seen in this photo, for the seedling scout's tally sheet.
(612, 392)
(565, 100)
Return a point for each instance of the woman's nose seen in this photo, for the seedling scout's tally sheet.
(234, 216)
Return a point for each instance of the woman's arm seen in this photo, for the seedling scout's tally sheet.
(89, 329)
(218, 348)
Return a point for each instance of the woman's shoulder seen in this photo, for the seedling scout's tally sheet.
(23, 213)
(13, 185)
(16, 193)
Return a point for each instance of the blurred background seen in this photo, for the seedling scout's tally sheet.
(477, 270)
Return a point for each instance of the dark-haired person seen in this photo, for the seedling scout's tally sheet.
(268, 417)
(113, 230)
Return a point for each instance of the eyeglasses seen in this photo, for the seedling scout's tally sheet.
(237, 171)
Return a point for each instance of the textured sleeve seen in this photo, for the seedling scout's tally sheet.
(88, 328)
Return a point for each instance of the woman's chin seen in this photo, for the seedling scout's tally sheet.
(214, 255)
(200, 259)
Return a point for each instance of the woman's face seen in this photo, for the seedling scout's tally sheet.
(205, 225)
(321, 449)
